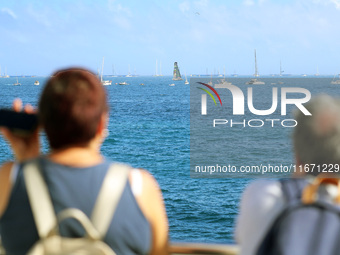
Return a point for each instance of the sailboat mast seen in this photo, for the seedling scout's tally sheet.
(101, 76)
(256, 74)
(160, 68)
(156, 67)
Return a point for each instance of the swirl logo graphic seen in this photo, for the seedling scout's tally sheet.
(204, 97)
(208, 92)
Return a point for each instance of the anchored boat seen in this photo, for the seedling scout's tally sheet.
(223, 84)
(256, 74)
(104, 82)
(336, 82)
(17, 83)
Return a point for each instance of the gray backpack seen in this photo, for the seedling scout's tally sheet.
(51, 243)
(307, 226)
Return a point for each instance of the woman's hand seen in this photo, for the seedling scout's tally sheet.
(24, 147)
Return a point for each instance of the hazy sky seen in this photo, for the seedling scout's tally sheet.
(37, 37)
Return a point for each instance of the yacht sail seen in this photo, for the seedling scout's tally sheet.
(177, 74)
(186, 80)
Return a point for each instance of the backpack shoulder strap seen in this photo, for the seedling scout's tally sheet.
(292, 192)
(292, 189)
(109, 196)
(105, 206)
(39, 198)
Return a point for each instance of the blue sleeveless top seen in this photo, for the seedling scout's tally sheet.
(129, 232)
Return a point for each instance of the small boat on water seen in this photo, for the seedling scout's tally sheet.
(36, 83)
(123, 83)
(6, 75)
(255, 81)
(186, 80)
(336, 82)
(223, 84)
(17, 83)
(172, 84)
(104, 82)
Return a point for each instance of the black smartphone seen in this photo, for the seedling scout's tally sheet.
(20, 123)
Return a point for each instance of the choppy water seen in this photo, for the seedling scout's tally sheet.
(150, 128)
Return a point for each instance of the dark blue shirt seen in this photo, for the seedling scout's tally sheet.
(129, 232)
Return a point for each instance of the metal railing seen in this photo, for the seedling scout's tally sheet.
(195, 248)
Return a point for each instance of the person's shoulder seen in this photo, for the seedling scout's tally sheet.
(261, 202)
(6, 166)
(151, 202)
(5, 184)
(263, 197)
(141, 175)
(5, 171)
(263, 187)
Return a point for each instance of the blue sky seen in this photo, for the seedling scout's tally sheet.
(37, 37)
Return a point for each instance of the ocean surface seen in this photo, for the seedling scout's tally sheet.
(149, 128)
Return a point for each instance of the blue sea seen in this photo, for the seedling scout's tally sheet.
(149, 128)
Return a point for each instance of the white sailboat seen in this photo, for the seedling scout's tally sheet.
(6, 75)
(218, 73)
(223, 82)
(210, 82)
(17, 83)
(129, 74)
(336, 82)
(186, 80)
(280, 82)
(317, 71)
(104, 82)
(113, 71)
(281, 69)
(160, 69)
(156, 74)
(256, 74)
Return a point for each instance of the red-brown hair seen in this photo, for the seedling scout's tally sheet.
(71, 106)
